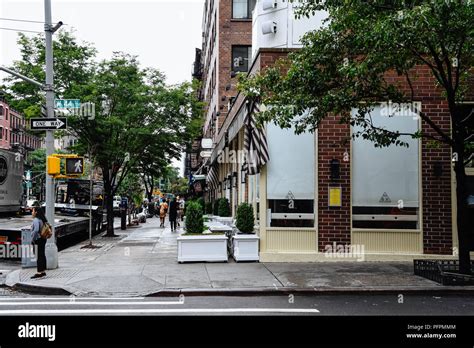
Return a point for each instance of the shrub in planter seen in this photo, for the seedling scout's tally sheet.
(208, 208)
(245, 218)
(224, 207)
(200, 201)
(194, 219)
(186, 205)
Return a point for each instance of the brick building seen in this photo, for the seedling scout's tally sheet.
(13, 135)
(226, 50)
(323, 191)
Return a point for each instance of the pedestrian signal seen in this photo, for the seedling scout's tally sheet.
(75, 166)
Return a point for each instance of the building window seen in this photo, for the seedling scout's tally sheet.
(1, 112)
(242, 9)
(240, 58)
(290, 179)
(385, 181)
(1, 133)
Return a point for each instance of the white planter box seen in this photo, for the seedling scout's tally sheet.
(245, 247)
(205, 248)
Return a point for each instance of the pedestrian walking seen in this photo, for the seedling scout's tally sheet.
(173, 209)
(163, 211)
(40, 243)
(181, 208)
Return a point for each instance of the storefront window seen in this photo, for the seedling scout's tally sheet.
(291, 213)
(290, 178)
(385, 181)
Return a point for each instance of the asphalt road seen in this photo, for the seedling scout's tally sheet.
(12, 303)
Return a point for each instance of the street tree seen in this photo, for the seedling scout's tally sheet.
(137, 118)
(162, 147)
(344, 66)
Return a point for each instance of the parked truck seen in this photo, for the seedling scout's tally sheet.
(11, 178)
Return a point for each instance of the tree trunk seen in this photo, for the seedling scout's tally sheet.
(109, 204)
(462, 217)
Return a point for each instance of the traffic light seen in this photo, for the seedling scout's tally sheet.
(75, 166)
(54, 165)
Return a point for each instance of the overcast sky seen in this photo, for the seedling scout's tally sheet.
(162, 33)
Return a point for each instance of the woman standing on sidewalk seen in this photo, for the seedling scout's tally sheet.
(38, 221)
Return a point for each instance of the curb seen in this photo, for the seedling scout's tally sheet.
(13, 282)
(311, 291)
(51, 290)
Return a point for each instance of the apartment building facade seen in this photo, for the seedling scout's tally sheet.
(323, 191)
(226, 50)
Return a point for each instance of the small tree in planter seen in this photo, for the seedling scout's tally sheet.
(224, 208)
(245, 244)
(200, 200)
(194, 219)
(245, 218)
(196, 246)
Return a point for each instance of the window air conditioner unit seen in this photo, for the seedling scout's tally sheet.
(269, 4)
(269, 27)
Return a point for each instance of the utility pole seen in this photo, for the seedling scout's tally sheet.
(51, 247)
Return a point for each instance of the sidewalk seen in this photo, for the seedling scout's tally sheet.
(142, 261)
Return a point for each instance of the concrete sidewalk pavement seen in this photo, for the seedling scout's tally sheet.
(142, 261)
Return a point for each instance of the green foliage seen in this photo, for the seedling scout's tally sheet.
(200, 201)
(224, 207)
(245, 218)
(131, 187)
(194, 218)
(73, 66)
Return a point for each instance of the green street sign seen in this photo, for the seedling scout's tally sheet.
(67, 103)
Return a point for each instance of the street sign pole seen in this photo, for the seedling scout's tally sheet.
(91, 195)
(51, 247)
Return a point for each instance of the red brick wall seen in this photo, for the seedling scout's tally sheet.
(231, 32)
(334, 223)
